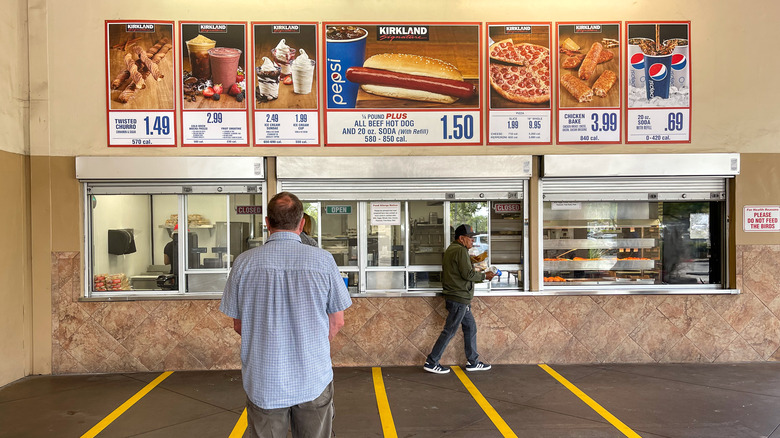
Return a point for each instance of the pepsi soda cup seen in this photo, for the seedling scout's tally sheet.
(658, 75)
(636, 59)
(680, 78)
(345, 47)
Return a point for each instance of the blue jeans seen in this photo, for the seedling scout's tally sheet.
(460, 315)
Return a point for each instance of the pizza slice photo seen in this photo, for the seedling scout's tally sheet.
(520, 72)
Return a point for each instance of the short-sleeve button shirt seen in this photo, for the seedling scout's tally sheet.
(283, 292)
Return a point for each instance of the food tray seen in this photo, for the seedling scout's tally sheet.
(599, 265)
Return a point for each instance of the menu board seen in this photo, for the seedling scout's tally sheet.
(658, 82)
(588, 83)
(140, 81)
(213, 84)
(285, 83)
(402, 84)
(519, 72)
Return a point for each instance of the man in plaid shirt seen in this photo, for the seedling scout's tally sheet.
(287, 302)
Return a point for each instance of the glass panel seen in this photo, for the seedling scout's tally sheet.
(339, 231)
(201, 282)
(426, 237)
(476, 215)
(505, 243)
(425, 280)
(246, 226)
(472, 213)
(206, 244)
(385, 280)
(386, 234)
(352, 280)
(127, 251)
(631, 243)
(690, 242)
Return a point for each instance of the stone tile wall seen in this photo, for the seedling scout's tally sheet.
(174, 335)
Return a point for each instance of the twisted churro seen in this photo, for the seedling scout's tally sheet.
(135, 75)
(132, 79)
(161, 53)
(150, 65)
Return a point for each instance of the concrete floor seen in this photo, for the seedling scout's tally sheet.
(651, 400)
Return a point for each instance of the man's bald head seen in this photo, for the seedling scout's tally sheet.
(285, 212)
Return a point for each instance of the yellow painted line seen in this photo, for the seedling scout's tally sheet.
(240, 428)
(388, 426)
(592, 403)
(125, 406)
(483, 403)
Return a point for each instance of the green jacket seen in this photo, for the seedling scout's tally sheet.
(458, 274)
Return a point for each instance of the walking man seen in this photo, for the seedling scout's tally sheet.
(458, 277)
(287, 302)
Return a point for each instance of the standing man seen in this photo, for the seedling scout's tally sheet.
(287, 302)
(458, 277)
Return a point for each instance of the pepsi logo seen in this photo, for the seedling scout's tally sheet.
(638, 60)
(679, 61)
(657, 72)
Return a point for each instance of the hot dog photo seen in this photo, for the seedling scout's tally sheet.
(402, 66)
(588, 65)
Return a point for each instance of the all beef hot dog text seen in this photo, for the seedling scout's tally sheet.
(411, 77)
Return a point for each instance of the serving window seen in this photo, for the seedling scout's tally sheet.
(388, 220)
(633, 230)
(629, 243)
(161, 238)
(397, 246)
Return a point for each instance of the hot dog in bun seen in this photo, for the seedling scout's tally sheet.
(411, 77)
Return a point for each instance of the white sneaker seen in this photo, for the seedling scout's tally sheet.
(479, 366)
(436, 369)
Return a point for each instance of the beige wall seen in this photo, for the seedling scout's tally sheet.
(757, 184)
(16, 324)
(14, 111)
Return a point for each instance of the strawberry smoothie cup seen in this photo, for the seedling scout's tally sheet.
(224, 65)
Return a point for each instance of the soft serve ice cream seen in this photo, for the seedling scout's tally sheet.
(283, 55)
(267, 81)
(302, 73)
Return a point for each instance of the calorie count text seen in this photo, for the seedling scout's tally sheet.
(389, 128)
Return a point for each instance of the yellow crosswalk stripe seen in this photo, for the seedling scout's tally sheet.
(240, 427)
(483, 403)
(385, 416)
(592, 403)
(125, 406)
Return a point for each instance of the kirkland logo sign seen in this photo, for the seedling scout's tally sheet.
(517, 29)
(139, 27)
(287, 28)
(391, 33)
(221, 28)
(587, 28)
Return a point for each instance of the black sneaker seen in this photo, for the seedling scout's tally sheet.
(436, 369)
(479, 366)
